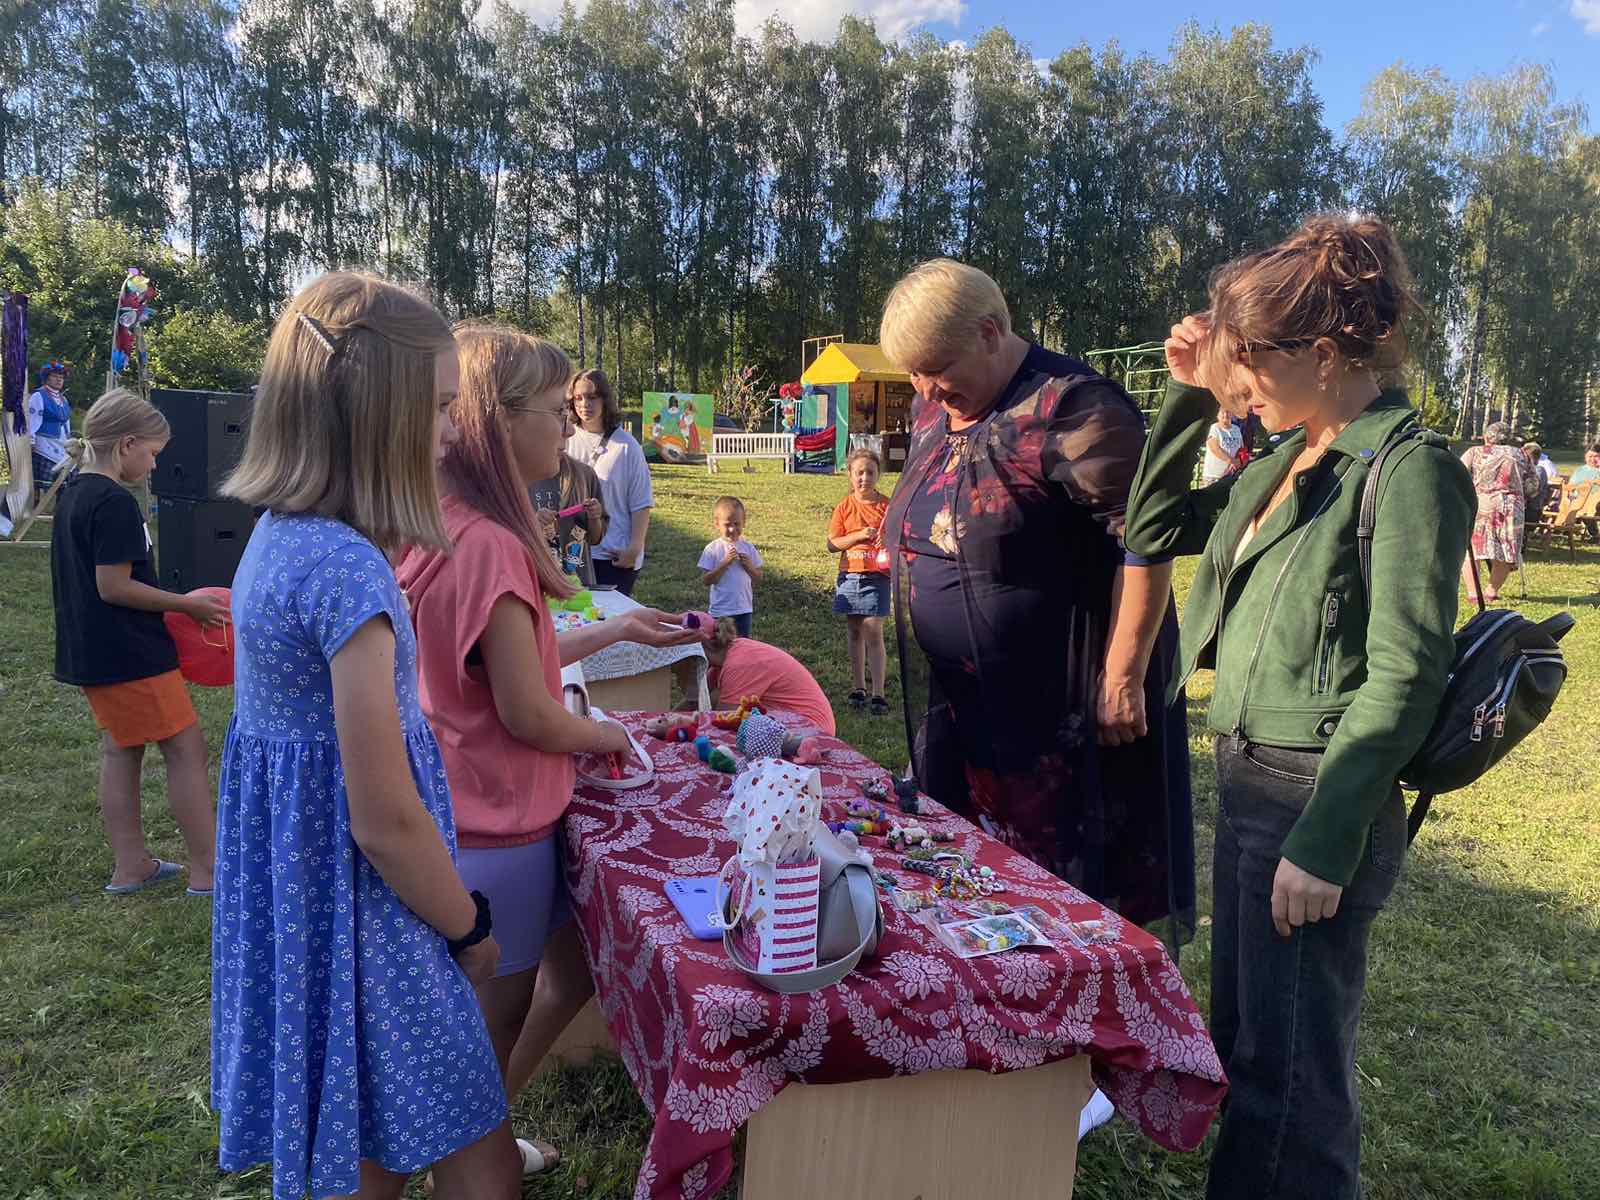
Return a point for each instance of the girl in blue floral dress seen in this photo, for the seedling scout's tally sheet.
(348, 1048)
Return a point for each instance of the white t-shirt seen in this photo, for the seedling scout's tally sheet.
(1231, 439)
(734, 591)
(624, 483)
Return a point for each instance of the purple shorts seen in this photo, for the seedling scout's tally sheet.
(527, 897)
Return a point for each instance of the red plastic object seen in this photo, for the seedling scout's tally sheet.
(821, 440)
(205, 656)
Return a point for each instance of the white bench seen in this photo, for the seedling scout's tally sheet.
(750, 445)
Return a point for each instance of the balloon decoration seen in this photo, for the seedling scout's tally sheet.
(135, 308)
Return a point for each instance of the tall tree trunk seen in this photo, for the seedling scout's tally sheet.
(1480, 322)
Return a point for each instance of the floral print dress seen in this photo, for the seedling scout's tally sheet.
(1500, 476)
(340, 1027)
(1004, 543)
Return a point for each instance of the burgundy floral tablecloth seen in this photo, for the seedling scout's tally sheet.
(706, 1048)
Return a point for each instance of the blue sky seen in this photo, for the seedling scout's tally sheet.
(1462, 39)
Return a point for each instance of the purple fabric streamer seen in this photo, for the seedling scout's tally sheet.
(14, 351)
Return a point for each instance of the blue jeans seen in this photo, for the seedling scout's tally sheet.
(742, 622)
(1284, 1013)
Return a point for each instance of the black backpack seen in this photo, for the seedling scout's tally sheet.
(1504, 679)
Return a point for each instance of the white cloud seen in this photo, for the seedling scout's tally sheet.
(1539, 30)
(1587, 14)
(543, 12)
(813, 20)
(818, 20)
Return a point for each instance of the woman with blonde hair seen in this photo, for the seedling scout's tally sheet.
(1325, 684)
(111, 642)
(1035, 651)
(489, 670)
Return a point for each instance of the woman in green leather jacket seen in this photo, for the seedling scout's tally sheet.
(1322, 694)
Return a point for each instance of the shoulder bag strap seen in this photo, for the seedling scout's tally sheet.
(1365, 526)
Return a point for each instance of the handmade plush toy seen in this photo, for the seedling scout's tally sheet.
(674, 727)
(733, 718)
(718, 758)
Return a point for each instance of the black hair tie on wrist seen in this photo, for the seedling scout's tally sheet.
(479, 931)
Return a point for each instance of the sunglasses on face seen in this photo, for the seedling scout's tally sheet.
(1246, 349)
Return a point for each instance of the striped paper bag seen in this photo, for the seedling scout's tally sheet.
(777, 931)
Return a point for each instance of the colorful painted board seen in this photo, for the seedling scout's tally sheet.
(677, 427)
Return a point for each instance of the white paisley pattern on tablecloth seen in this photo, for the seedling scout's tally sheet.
(707, 1048)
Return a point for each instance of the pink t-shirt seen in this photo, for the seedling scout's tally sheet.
(756, 669)
(504, 791)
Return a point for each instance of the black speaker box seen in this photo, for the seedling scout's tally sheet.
(199, 542)
(208, 431)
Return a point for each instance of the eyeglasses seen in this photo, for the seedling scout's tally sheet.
(1246, 349)
(559, 414)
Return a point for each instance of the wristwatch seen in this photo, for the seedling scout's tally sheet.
(479, 931)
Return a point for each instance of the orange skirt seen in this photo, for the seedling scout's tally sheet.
(142, 710)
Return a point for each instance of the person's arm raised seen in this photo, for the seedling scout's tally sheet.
(1166, 516)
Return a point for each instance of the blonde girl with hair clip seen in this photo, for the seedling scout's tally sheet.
(111, 642)
(348, 1048)
(489, 666)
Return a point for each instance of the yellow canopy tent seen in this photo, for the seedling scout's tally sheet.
(880, 393)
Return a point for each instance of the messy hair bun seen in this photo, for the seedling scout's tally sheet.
(1338, 277)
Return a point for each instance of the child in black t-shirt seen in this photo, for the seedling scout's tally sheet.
(111, 642)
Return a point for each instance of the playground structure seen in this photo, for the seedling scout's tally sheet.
(870, 403)
(1141, 370)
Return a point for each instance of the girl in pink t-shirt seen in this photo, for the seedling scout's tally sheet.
(742, 666)
(489, 671)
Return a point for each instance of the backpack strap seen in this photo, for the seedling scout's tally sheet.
(1367, 522)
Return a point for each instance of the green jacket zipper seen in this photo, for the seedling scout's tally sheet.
(1330, 622)
(1272, 601)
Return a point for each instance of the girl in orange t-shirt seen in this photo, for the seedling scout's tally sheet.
(862, 593)
(489, 672)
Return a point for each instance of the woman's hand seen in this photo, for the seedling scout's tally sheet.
(627, 558)
(1183, 348)
(1299, 897)
(652, 627)
(209, 611)
(593, 509)
(1120, 711)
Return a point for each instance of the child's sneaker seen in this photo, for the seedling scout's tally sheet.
(880, 706)
(857, 699)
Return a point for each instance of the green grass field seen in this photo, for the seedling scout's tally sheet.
(1480, 1047)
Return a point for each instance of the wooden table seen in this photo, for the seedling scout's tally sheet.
(649, 692)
